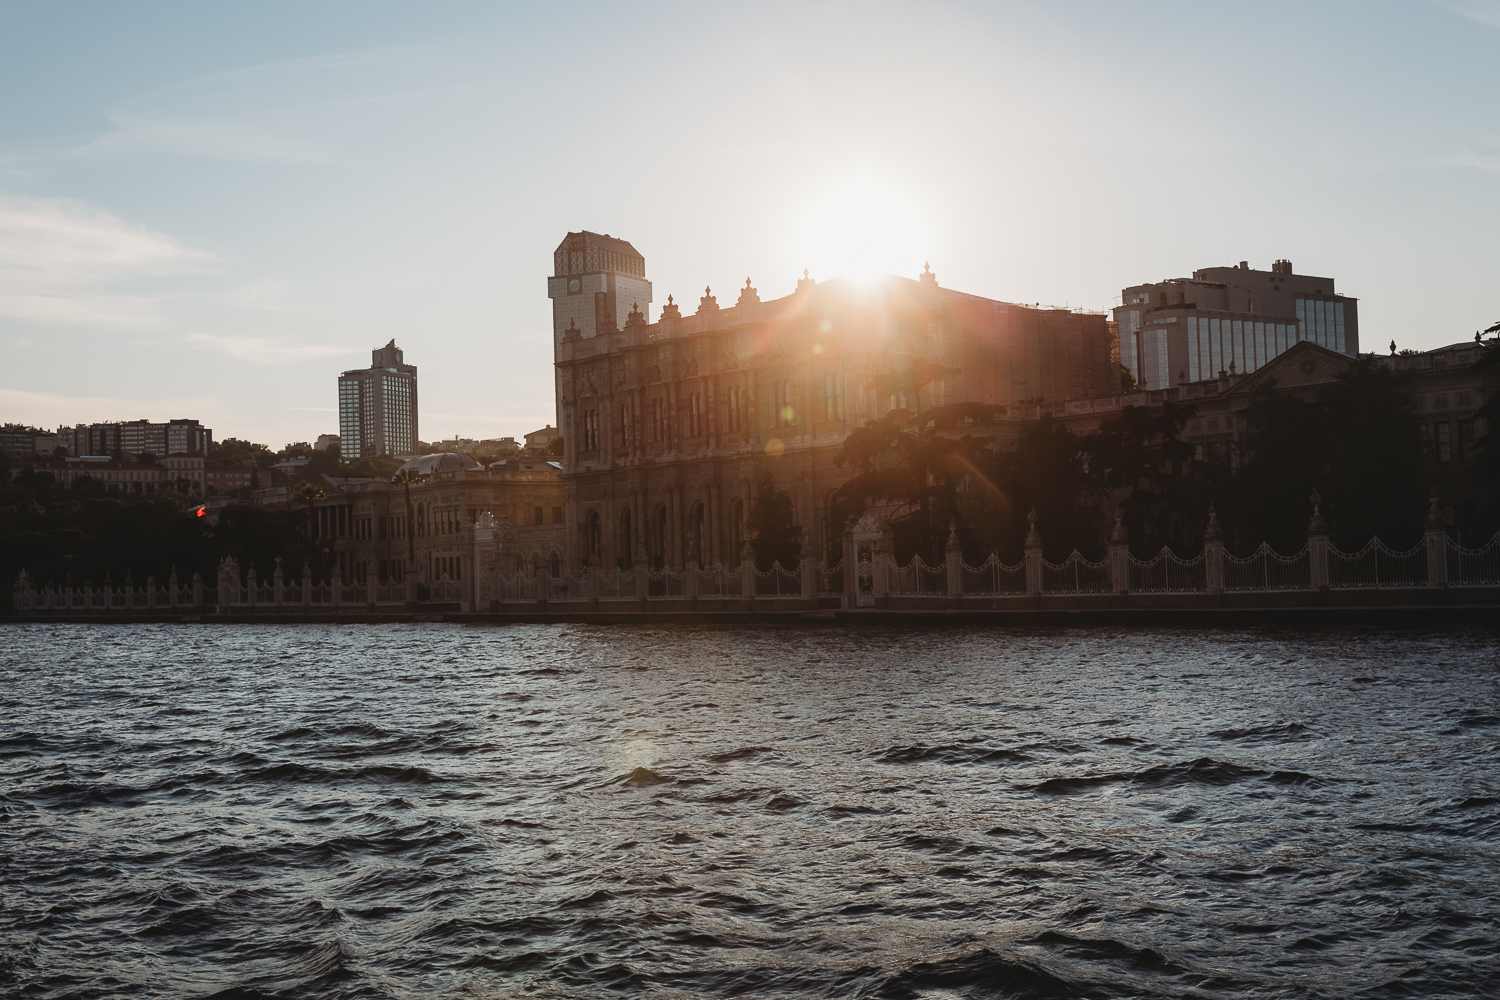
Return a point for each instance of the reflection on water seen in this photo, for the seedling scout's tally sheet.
(433, 810)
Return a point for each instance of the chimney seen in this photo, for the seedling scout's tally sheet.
(1244, 265)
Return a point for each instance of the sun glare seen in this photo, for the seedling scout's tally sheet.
(861, 229)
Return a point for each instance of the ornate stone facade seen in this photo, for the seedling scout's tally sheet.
(670, 425)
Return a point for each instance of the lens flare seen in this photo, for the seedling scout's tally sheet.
(862, 229)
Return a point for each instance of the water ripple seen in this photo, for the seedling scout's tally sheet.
(574, 811)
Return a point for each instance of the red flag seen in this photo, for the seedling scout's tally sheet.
(200, 511)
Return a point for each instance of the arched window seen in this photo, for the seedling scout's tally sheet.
(624, 543)
(659, 541)
(554, 564)
(520, 565)
(697, 537)
(736, 530)
(592, 539)
(421, 519)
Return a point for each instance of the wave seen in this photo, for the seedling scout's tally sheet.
(1283, 732)
(983, 970)
(1202, 771)
(950, 754)
(643, 777)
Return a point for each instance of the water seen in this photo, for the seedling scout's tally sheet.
(574, 811)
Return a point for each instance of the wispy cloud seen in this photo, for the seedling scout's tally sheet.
(88, 310)
(58, 258)
(263, 350)
(46, 409)
(1483, 11)
(273, 113)
(270, 295)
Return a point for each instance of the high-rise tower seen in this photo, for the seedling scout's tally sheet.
(378, 407)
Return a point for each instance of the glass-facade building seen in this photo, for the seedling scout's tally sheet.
(378, 407)
(1228, 320)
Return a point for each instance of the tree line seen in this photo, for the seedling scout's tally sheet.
(1357, 441)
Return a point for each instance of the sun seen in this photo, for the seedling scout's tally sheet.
(861, 229)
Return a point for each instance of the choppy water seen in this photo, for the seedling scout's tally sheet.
(442, 811)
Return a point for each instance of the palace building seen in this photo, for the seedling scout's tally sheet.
(669, 426)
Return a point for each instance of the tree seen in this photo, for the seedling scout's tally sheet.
(1487, 468)
(922, 465)
(556, 446)
(406, 478)
(1357, 441)
(774, 536)
(1047, 470)
(246, 454)
(1141, 460)
(310, 494)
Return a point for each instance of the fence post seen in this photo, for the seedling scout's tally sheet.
(18, 590)
(151, 591)
(223, 591)
(640, 564)
(1213, 553)
(372, 586)
(850, 597)
(336, 584)
(197, 590)
(1119, 556)
(953, 552)
(250, 586)
(747, 572)
(690, 582)
(306, 584)
(172, 589)
(1033, 556)
(1436, 535)
(278, 584)
(594, 583)
(1317, 545)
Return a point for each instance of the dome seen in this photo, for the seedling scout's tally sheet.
(448, 461)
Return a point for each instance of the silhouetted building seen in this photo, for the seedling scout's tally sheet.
(669, 426)
(137, 437)
(1229, 319)
(378, 407)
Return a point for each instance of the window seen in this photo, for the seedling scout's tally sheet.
(736, 530)
(622, 429)
(625, 551)
(1444, 432)
(833, 397)
(1466, 440)
(783, 414)
(537, 516)
(657, 417)
(736, 414)
(590, 430)
(695, 414)
(557, 515)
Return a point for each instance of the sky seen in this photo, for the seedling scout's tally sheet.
(210, 210)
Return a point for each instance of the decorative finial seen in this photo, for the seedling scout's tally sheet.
(804, 277)
(1393, 347)
(747, 281)
(669, 300)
